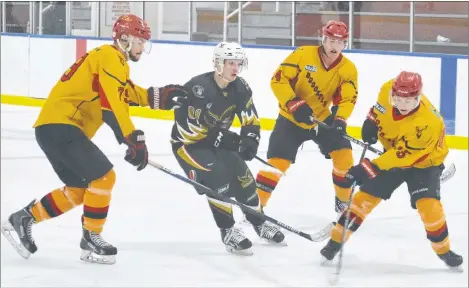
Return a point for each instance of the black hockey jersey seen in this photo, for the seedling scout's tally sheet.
(218, 107)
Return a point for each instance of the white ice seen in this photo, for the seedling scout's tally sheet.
(166, 235)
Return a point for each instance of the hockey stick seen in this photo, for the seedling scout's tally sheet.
(445, 176)
(316, 237)
(275, 169)
(336, 275)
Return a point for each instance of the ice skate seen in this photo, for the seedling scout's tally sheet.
(330, 251)
(270, 233)
(96, 250)
(235, 242)
(452, 260)
(21, 222)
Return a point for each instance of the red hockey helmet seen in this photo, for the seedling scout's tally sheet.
(335, 29)
(407, 84)
(130, 24)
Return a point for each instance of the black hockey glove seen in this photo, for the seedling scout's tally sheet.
(370, 129)
(137, 153)
(248, 146)
(300, 110)
(167, 97)
(222, 139)
(362, 172)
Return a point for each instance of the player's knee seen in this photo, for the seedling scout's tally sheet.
(363, 203)
(281, 164)
(266, 180)
(342, 160)
(431, 211)
(103, 185)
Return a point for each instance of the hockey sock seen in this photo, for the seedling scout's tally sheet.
(96, 202)
(362, 204)
(433, 218)
(267, 181)
(57, 202)
(222, 213)
(342, 161)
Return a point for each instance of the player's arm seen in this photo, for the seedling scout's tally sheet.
(188, 118)
(111, 85)
(347, 94)
(286, 75)
(414, 147)
(138, 96)
(283, 83)
(250, 127)
(248, 117)
(370, 128)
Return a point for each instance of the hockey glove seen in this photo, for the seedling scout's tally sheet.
(137, 153)
(362, 172)
(300, 110)
(370, 129)
(222, 139)
(248, 146)
(167, 97)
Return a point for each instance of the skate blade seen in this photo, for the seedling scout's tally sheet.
(245, 252)
(91, 257)
(457, 269)
(6, 231)
(324, 262)
(275, 244)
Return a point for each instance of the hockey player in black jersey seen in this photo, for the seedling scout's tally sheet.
(214, 156)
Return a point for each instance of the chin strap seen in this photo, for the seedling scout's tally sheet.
(129, 47)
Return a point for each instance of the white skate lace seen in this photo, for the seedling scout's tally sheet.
(235, 236)
(268, 231)
(29, 230)
(98, 240)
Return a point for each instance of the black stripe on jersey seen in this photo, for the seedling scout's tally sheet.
(114, 77)
(291, 65)
(78, 107)
(413, 148)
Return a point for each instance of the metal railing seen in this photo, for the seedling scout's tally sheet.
(410, 28)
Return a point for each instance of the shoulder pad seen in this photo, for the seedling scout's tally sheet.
(242, 85)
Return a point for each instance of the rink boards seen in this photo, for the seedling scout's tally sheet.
(31, 65)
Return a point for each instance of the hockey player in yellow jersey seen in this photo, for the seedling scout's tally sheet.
(412, 132)
(307, 83)
(96, 89)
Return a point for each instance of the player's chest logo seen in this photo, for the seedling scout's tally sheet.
(419, 130)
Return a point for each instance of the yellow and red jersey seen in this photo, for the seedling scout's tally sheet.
(414, 140)
(303, 74)
(97, 81)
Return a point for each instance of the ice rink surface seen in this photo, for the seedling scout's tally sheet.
(166, 235)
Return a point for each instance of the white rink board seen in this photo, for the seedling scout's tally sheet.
(31, 65)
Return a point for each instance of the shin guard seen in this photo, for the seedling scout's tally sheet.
(433, 218)
(362, 205)
(342, 161)
(57, 202)
(96, 202)
(267, 181)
